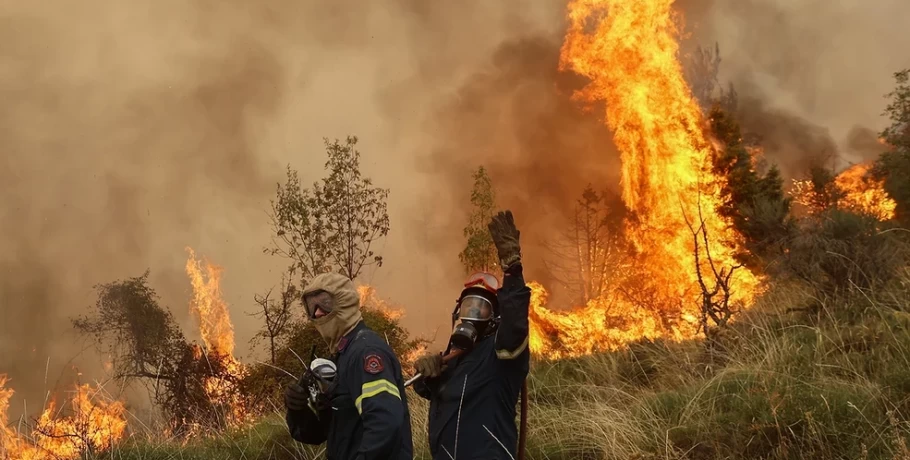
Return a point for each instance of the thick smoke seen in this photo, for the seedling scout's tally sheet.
(130, 130)
(810, 99)
(812, 74)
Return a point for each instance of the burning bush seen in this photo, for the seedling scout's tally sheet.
(196, 387)
(90, 425)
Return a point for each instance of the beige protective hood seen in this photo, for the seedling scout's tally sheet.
(346, 309)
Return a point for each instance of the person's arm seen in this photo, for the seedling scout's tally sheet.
(514, 300)
(379, 402)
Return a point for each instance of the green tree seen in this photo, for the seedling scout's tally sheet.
(893, 166)
(479, 253)
(334, 224)
(755, 204)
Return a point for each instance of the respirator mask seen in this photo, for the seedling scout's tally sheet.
(474, 314)
(322, 373)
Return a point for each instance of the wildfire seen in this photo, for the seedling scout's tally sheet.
(94, 425)
(630, 56)
(864, 194)
(853, 189)
(217, 331)
(369, 299)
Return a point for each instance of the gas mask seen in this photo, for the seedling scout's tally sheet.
(473, 316)
(321, 380)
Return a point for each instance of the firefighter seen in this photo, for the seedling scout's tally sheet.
(361, 411)
(473, 396)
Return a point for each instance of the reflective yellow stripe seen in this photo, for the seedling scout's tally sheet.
(506, 354)
(373, 388)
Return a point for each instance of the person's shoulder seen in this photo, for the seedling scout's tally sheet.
(369, 341)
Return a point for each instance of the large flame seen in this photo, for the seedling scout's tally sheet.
(217, 332)
(629, 51)
(855, 190)
(864, 194)
(94, 425)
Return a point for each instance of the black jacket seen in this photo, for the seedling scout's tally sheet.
(369, 419)
(475, 397)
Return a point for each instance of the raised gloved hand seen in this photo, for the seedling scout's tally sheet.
(429, 365)
(505, 237)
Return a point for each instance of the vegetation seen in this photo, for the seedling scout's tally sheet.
(818, 367)
(894, 165)
(479, 253)
(588, 255)
(333, 225)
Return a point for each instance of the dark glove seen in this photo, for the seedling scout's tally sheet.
(505, 237)
(429, 365)
(296, 397)
(323, 404)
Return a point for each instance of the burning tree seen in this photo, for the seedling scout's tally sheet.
(754, 204)
(716, 308)
(195, 386)
(333, 225)
(667, 173)
(479, 253)
(588, 258)
(893, 167)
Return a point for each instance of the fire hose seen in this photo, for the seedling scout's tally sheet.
(523, 421)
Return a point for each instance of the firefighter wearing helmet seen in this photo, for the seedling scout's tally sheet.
(473, 395)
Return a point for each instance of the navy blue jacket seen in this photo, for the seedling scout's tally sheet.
(369, 418)
(472, 404)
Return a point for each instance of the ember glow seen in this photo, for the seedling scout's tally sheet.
(217, 332)
(631, 58)
(92, 424)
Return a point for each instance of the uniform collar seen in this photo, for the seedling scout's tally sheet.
(349, 337)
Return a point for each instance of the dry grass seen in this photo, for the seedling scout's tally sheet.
(830, 384)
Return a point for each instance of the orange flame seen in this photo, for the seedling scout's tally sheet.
(369, 299)
(95, 425)
(208, 306)
(855, 190)
(630, 57)
(217, 333)
(864, 194)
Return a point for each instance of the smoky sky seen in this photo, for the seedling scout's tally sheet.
(131, 130)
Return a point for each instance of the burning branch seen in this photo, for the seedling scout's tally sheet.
(715, 301)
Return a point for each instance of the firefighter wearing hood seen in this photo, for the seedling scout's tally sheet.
(362, 413)
(473, 396)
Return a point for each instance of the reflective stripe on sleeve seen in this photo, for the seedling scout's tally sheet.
(374, 388)
(506, 354)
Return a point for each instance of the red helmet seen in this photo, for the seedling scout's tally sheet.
(483, 280)
(485, 285)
